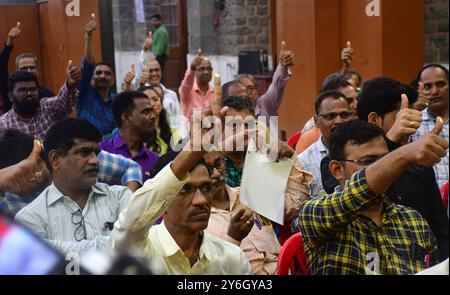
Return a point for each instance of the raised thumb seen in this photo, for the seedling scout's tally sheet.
(405, 102)
(439, 125)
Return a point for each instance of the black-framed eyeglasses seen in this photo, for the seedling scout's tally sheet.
(80, 231)
(332, 116)
(363, 162)
(206, 189)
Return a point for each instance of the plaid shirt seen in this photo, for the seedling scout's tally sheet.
(50, 111)
(428, 123)
(234, 175)
(339, 240)
(310, 160)
(90, 104)
(14, 203)
(116, 169)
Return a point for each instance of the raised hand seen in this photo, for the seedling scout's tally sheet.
(287, 57)
(148, 43)
(131, 74)
(197, 60)
(347, 57)
(13, 34)
(91, 26)
(424, 98)
(25, 176)
(128, 79)
(240, 225)
(429, 150)
(406, 123)
(73, 74)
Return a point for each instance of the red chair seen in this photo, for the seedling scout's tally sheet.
(292, 141)
(292, 257)
(444, 194)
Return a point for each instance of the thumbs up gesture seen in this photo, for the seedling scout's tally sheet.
(26, 176)
(148, 43)
(91, 25)
(429, 150)
(130, 75)
(197, 60)
(347, 57)
(13, 34)
(406, 123)
(73, 74)
(287, 57)
(424, 98)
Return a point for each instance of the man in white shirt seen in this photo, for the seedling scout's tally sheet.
(75, 213)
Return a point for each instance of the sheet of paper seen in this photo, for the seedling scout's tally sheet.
(264, 183)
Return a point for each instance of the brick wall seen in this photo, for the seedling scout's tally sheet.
(244, 25)
(436, 31)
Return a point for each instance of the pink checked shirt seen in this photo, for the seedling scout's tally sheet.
(191, 96)
(50, 111)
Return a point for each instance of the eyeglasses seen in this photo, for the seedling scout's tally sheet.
(219, 165)
(154, 70)
(206, 189)
(25, 91)
(363, 162)
(333, 116)
(205, 69)
(80, 231)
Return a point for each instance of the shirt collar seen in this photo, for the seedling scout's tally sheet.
(119, 144)
(171, 248)
(197, 89)
(321, 147)
(428, 117)
(54, 194)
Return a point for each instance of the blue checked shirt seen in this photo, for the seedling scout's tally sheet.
(118, 170)
(310, 160)
(428, 124)
(90, 104)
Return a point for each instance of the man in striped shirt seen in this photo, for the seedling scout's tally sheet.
(75, 213)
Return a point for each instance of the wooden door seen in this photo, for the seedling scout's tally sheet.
(62, 38)
(174, 19)
(28, 41)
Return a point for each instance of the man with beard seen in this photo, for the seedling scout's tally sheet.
(332, 109)
(135, 118)
(434, 78)
(96, 88)
(31, 115)
(75, 213)
(24, 62)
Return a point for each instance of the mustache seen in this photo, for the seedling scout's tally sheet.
(200, 210)
(96, 170)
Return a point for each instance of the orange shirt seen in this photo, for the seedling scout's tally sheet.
(307, 139)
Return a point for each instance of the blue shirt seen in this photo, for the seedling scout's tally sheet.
(90, 104)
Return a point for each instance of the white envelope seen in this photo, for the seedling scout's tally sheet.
(264, 183)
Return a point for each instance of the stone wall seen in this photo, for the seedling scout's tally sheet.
(436, 31)
(242, 25)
